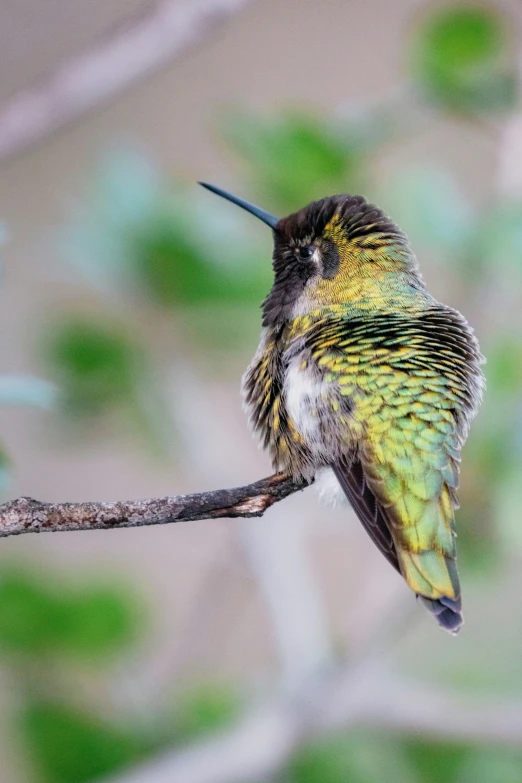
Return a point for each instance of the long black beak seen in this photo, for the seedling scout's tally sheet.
(270, 220)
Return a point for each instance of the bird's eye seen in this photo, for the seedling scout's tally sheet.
(306, 252)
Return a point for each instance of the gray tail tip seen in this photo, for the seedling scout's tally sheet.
(447, 611)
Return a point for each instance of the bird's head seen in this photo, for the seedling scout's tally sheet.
(340, 250)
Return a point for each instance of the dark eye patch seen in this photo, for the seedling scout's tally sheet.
(331, 259)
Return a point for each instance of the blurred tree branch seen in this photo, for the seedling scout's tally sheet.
(362, 695)
(112, 65)
(25, 515)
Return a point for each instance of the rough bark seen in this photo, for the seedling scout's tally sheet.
(26, 515)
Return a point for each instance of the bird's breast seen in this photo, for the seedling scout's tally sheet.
(300, 411)
(313, 407)
(304, 397)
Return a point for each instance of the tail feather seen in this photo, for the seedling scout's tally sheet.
(433, 576)
(447, 611)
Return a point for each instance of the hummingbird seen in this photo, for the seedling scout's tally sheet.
(360, 372)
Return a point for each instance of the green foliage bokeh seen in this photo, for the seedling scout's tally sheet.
(159, 247)
(461, 58)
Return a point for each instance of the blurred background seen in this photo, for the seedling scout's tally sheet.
(283, 649)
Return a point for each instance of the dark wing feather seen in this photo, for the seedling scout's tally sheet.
(373, 516)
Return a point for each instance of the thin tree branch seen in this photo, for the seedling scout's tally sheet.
(25, 515)
(110, 66)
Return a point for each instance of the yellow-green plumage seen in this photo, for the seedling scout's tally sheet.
(360, 370)
(404, 425)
